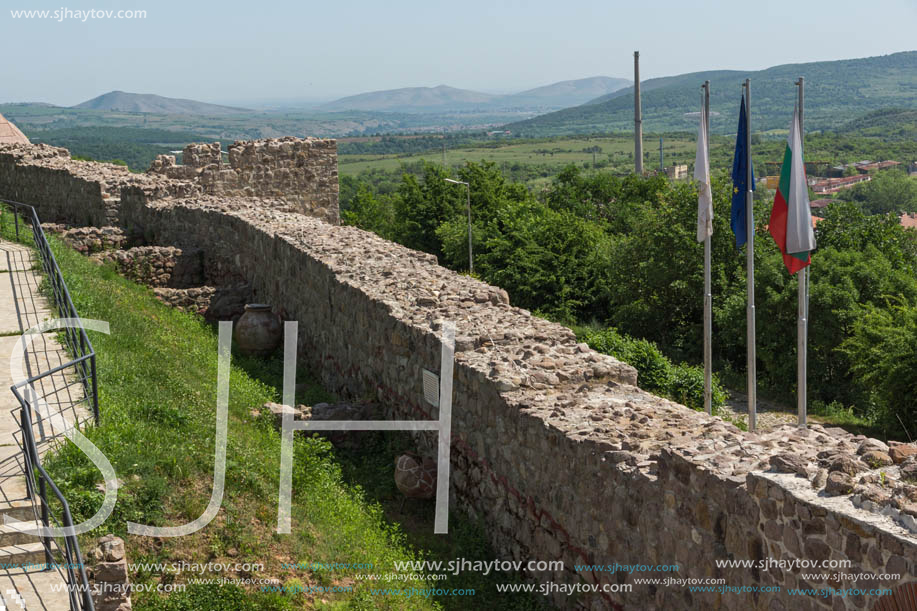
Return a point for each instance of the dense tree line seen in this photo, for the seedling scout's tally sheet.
(135, 147)
(603, 250)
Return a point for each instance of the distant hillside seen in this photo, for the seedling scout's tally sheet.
(412, 99)
(149, 103)
(445, 98)
(567, 93)
(836, 92)
(888, 123)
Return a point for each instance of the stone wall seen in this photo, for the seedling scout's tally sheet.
(300, 173)
(109, 575)
(88, 240)
(217, 303)
(73, 192)
(159, 266)
(553, 445)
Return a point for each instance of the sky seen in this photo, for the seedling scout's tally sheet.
(268, 51)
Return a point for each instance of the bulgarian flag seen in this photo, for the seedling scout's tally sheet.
(791, 217)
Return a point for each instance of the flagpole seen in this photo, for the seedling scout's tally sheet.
(802, 326)
(708, 296)
(750, 264)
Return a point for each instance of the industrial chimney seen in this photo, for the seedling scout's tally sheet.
(638, 122)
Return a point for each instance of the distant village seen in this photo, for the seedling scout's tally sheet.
(823, 179)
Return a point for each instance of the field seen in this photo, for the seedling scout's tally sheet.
(546, 156)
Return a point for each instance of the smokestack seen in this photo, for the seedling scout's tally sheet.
(638, 122)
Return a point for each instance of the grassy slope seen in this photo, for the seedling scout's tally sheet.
(886, 123)
(157, 397)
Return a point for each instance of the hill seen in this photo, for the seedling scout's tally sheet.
(836, 92)
(149, 103)
(412, 99)
(887, 123)
(567, 93)
(445, 98)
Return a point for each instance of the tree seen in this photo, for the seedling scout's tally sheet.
(421, 206)
(888, 191)
(369, 211)
(883, 353)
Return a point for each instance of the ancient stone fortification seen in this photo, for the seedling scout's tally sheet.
(301, 173)
(74, 192)
(554, 446)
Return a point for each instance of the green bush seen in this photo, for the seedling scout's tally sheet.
(679, 382)
(883, 353)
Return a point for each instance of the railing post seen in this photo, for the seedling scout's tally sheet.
(32, 459)
(95, 388)
(26, 457)
(87, 595)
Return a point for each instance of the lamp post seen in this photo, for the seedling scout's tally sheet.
(468, 208)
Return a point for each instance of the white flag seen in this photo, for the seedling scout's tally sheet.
(702, 176)
(800, 238)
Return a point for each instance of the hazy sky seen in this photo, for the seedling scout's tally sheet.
(236, 51)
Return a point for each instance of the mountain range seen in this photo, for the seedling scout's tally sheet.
(444, 98)
(836, 92)
(149, 103)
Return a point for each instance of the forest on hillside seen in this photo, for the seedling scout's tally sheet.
(836, 92)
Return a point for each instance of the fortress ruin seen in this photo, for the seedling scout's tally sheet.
(555, 447)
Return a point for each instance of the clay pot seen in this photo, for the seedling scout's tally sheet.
(258, 331)
(415, 477)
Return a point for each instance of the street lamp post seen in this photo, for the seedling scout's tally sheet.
(468, 208)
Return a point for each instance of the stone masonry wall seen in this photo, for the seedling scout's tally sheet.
(159, 266)
(553, 445)
(300, 173)
(73, 192)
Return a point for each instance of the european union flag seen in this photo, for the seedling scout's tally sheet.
(739, 179)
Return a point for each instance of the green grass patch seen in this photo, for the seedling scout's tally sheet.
(157, 391)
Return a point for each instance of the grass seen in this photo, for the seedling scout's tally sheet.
(370, 467)
(157, 382)
(835, 414)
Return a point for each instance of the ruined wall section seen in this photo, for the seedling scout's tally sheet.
(554, 447)
(74, 192)
(301, 174)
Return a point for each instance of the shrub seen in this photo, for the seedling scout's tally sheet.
(679, 382)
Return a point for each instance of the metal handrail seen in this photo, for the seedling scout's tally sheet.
(37, 479)
(77, 340)
(71, 550)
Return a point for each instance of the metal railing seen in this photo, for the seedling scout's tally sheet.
(60, 388)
